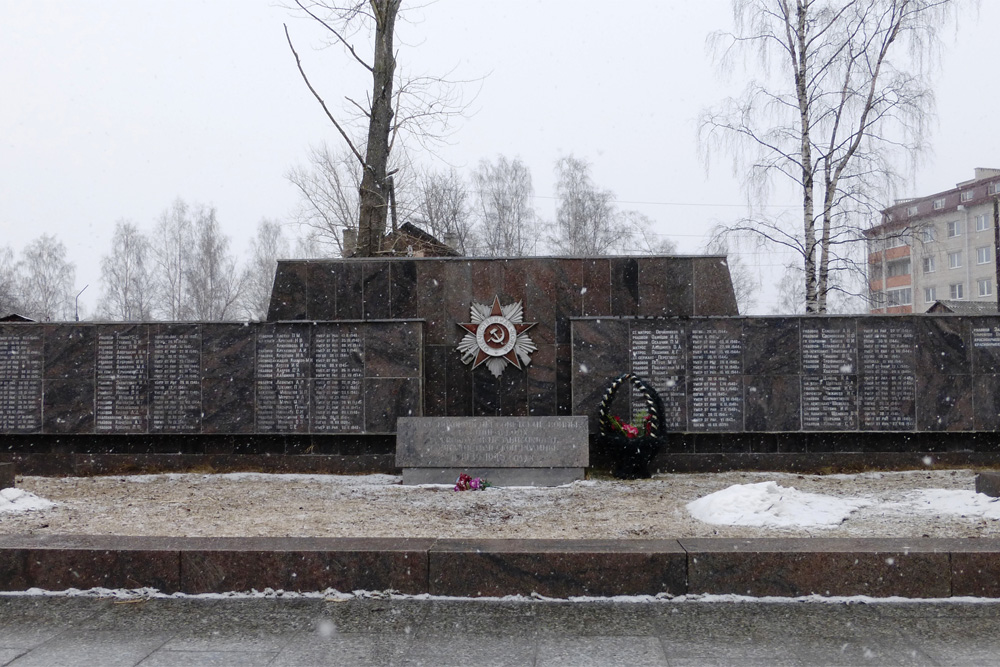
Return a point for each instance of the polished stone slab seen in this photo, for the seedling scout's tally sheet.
(509, 451)
(819, 566)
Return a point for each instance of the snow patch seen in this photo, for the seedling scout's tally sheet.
(18, 500)
(768, 504)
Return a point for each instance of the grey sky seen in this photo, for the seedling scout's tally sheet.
(112, 109)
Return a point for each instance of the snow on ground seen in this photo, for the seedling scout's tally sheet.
(17, 500)
(769, 504)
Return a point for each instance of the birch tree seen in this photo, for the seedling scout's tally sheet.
(46, 280)
(213, 283)
(506, 225)
(443, 206)
(840, 101)
(128, 286)
(10, 301)
(170, 251)
(266, 248)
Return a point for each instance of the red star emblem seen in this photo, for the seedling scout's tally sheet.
(496, 335)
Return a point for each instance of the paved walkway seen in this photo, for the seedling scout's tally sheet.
(191, 631)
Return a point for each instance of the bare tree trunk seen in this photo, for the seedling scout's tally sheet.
(373, 191)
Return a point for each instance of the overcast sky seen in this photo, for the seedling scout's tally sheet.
(113, 109)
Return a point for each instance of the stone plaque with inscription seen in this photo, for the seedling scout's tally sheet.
(507, 451)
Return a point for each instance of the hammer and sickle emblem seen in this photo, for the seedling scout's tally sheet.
(497, 335)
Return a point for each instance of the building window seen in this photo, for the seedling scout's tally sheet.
(986, 287)
(955, 259)
(956, 291)
(899, 297)
(994, 188)
(983, 255)
(938, 204)
(954, 229)
(966, 195)
(912, 210)
(981, 223)
(930, 294)
(928, 234)
(929, 264)
(899, 267)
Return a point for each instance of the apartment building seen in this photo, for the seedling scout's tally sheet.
(939, 247)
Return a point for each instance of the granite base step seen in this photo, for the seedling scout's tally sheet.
(913, 568)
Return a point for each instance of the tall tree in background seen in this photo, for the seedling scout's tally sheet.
(266, 248)
(398, 107)
(589, 222)
(745, 284)
(585, 215)
(128, 287)
(328, 196)
(843, 94)
(443, 206)
(214, 284)
(10, 301)
(507, 222)
(46, 280)
(170, 249)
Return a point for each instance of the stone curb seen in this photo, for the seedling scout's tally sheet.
(914, 568)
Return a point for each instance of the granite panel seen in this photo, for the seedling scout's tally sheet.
(599, 355)
(817, 566)
(887, 345)
(541, 385)
(228, 405)
(68, 406)
(461, 391)
(488, 281)
(57, 569)
(403, 278)
(304, 564)
(975, 567)
(666, 287)
(485, 393)
(548, 295)
(492, 442)
(772, 403)
(22, 357)
(439, 298)
(624, 286)
(564, 380)
(390, 398)
(350, 290)
(771, 346)
(594, 290)
(556, 568)
(228, 351)
(322, 291)
(713, 287)
(377, 290)
(436, 380)
(513, 391)
(289, 295)
(944, 403)
(986, 402)
(943, 345)
(393, 349)
(458, 296)
(985, 341)
(70, 351)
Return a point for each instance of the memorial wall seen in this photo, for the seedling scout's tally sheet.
(922, 373)
(280, 378)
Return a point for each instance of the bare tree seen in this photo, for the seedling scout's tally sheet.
(506, 217)
(128, 286)
(46, 280)
(213, 283)
(10, 301)
(444, 209)
(170, 250)
(269, 245)
(745, 283)
(843, 95)
(586, 216)
(328, 196)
